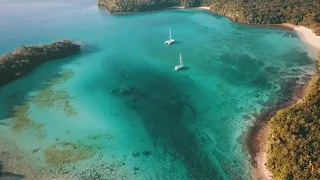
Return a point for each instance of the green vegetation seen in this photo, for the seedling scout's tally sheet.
(294, 138)
(26, 58)
(144, 5)
(299, 12)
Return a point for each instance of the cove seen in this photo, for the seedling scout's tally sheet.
(118, 110)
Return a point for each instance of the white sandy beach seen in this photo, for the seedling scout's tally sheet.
(260, 171)
(307, 36)
(204, 7)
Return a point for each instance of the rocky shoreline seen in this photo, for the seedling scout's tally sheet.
(26, 58)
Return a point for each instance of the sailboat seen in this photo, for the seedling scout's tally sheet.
(180, 66)
(170, 41)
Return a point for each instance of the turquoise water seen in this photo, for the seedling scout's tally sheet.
(123, 103)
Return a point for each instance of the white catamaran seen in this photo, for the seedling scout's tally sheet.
(170, 41)
(180, 66)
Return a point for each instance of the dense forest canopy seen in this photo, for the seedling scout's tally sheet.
(26, 58)
(299, 12)
(294, 138)
(144, 5)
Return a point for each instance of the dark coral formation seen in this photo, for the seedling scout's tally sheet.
(146, 153)
(104, 170)
(26, 58)
(136, 154)
(166, 112)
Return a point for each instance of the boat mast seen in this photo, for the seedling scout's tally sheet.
(170, 33)
(181, 62)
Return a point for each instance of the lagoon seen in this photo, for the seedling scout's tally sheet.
(119, 111)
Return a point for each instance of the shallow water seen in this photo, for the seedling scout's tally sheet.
(120, 102)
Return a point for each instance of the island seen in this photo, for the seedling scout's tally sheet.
(144, 5)
(298, 12)
(26, 58)
(292, 136)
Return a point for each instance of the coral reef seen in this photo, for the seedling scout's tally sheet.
(61, 78)
(66, 152)
(99, 136)
(58, 99)
(46, 98)
(20, 118)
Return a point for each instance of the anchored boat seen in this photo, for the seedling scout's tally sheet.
(180, 66)
(170, 41)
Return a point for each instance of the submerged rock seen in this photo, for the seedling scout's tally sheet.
(136, 154)
(126, 90)
(26, 58)
(36, 150)
(146, 153)
(136, 168)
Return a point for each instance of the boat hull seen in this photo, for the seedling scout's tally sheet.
(171, 41)
(177, 68)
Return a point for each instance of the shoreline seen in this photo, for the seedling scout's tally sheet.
(205, 8)
(256, 138)
(13, 66)
(307, 36)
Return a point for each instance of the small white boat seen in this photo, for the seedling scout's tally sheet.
(170, 41)
(180, 66)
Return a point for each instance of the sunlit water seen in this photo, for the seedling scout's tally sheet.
(121, 103)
